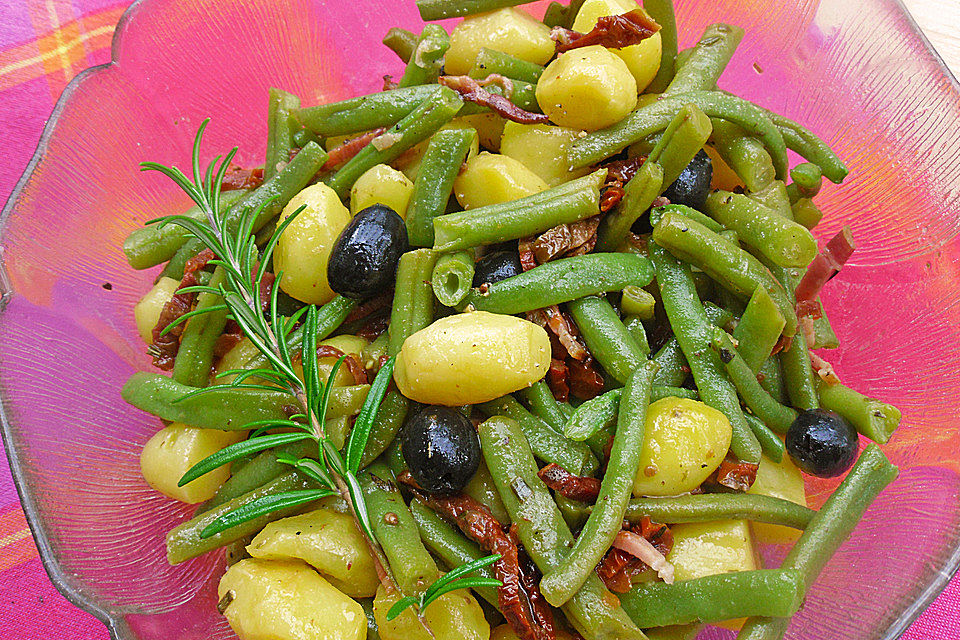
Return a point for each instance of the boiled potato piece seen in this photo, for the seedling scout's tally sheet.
(642, 59)
(328, 541)
(489, 128)
(304, 247)
(146, 313)
(348, 345)
(173, 450)
(506, 30)
(708, 548)
(684, 442)
(491, 178)
(470, 358)
(587, 88)
(504, 632)
(452, 616)
(543, 149)
(287, 600)
(784, 481)
(381, 184)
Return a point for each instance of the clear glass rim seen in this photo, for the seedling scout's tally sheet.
(114, 620)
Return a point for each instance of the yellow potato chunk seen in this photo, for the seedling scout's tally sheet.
(470, 358)
(708, 548)
(642, 59)
(326, 540)
(381, 184)
(506, 30)
(504, 632)
(287, 600)
(146, 313)
(684, 442)
(452, 616)
(173, 450)
(489, 128)
(304, 248)
(587, 88)
(491, 178)
(348, 345)
(542, 149)
(784, 481)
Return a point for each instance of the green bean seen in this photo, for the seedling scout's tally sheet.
(673, 632)
(707, 60)
(827, 531)
(443, 9)
(195, 356)
(280, 130)
(184, 541)
(600, 413)
(638, 194)
(261, 469)
(662, 13)
(562, 280)
(441, 163)
(393, 458)
(715, 598)
(795, 359)
(807, 182)
(812, 148)
(268, 199)
(720, 506)
(781, 240)
(771, 412)
(574, 513)
(805, 212)
(771, 379)
(657, 213)
(423, 66)
(683, 138)
(560, 583)
(772, 445)
(732, 267)
(363, 113)
(874, 419)
(373, 352)
(655, 117)
(390, 417)
(682, 56)
(547, 444)
(555, 15)
(541, 403)
(693, 331)
(759, 329)
(673, 365)
(634, 326)
(228, 409)
(636, 301)
(491, 61)
(774, 196)
(401, 41)
(418, 125)
(150, 245)
(301, 137)
(412, 298)
(412, 566)
(606, 337)
(450, 545)
(744, 154)
(482, 489)
(329, 317)
(452, 277)
(545, 536)
(568, 202)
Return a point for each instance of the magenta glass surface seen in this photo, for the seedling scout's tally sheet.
(857, 73)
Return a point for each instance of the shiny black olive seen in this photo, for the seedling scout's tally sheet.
(441, 448)
(496, 266)
(693, 184)
(822, 443)
(363, 261)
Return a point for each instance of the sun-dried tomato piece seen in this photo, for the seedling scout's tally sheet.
(618, 566)
(736, 474)
(472, 90)
(240, 178)
(579, 488)
(611, 196)
(343, 152)
(529, 582)
(164, 348)
(613, 32)
(585, 381)
(622, 171)
(557, 380)
(350, 361)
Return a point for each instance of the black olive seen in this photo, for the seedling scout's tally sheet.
(363, 261)
(693, 184)
(822, 443)
(496, 266)
(441, 448)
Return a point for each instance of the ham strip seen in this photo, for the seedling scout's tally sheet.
(826, 265)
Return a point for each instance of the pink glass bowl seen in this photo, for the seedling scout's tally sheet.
(858, 73)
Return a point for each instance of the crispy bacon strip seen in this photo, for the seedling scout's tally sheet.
(240, 178)
(164, 347)
(577, 488)
(343, 152)
(736, 474)
(826, 265)
(613, 32)
(351, 362)
(473, 91)
(824, 369)
(618, 566)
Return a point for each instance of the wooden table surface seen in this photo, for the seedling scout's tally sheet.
(940, 22)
